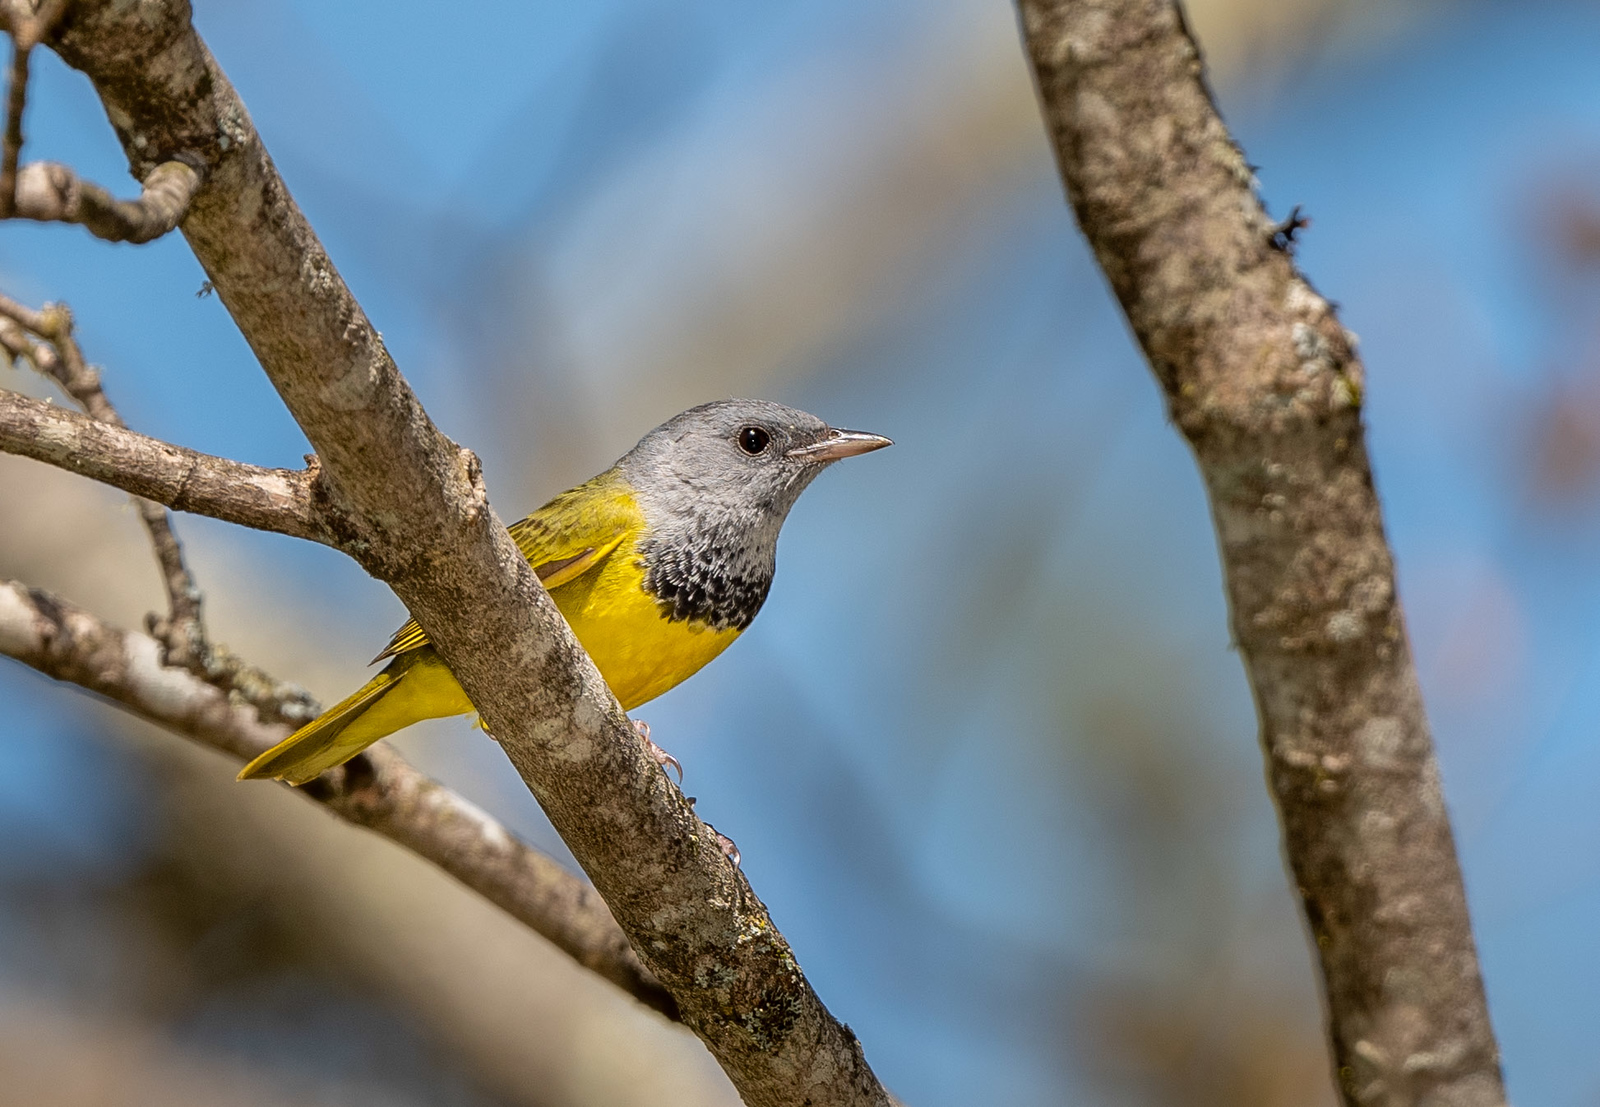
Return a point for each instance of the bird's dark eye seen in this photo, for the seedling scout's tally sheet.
(752, 440)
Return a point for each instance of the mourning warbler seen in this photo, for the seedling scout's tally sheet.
(657, 564)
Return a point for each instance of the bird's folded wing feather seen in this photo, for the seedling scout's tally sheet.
(564, 539)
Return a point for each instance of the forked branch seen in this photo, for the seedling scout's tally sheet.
(379, 791)
(45, 340)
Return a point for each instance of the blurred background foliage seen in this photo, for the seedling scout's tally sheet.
(987, 754)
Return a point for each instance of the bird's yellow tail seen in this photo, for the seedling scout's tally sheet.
(416, 685)
(327, 740)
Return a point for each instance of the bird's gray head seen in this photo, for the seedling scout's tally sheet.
(715, 485)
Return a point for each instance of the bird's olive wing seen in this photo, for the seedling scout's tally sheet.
(553, 574)
(532, 538)
(408, 637)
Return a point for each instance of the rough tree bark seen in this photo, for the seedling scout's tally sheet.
(1265, 384)
(413, 511)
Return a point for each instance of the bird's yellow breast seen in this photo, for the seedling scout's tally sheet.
(585, 546)
(639, 651)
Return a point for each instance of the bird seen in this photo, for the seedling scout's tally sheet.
(657, 565)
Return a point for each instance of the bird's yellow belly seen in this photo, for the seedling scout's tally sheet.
(639, 651)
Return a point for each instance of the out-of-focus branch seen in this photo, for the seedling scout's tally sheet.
(53, 193)
(1265, 384)
(16, 103)
(379, 790)
(421, 522)
(26, 27)
(27, 21)
(182, 630)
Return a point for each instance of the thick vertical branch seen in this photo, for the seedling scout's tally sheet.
(1266, 386)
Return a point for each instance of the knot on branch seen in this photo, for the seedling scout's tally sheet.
(477, 496)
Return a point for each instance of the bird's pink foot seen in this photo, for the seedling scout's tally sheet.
(661, 756)
(729, 850)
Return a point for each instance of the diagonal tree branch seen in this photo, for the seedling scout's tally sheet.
(1265, 384)
(379, 791)
(421, 522)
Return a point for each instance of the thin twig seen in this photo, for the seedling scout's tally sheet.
(182, 630)
(1286, 235)
(26, 32)
(53, 193)
(16, 101)
(379, 791)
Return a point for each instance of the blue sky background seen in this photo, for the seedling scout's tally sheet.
(986, 753)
